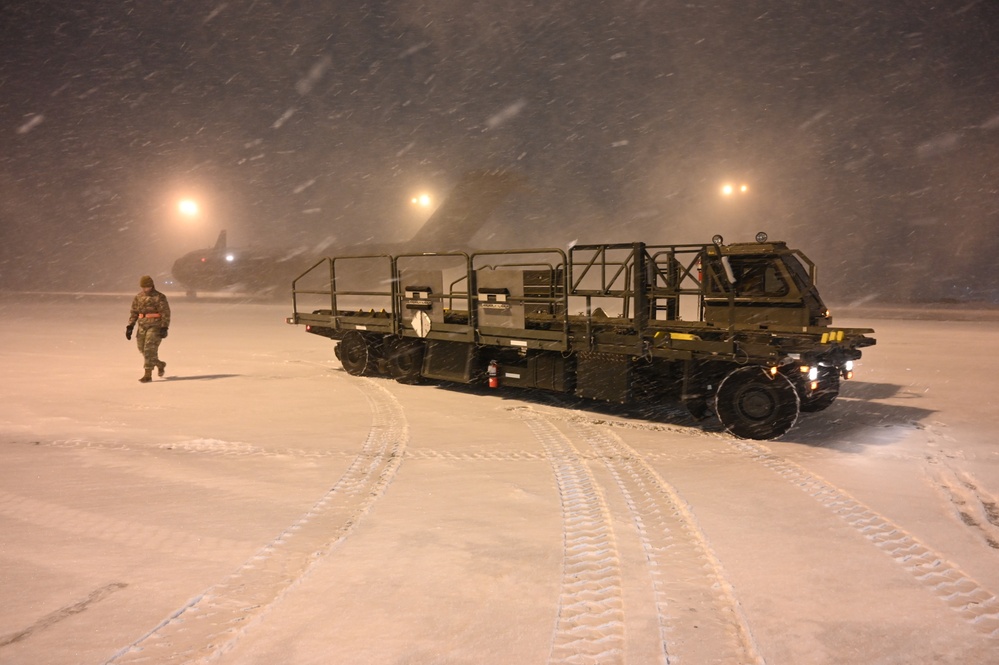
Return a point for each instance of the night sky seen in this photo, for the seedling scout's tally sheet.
(867, 132)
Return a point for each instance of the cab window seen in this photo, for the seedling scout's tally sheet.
(716, 279)
(756, 276)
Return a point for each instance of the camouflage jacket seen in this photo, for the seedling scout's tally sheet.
(152, 303)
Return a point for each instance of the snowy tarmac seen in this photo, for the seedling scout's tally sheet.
(259, 505)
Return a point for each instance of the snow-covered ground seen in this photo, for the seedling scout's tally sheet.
(259, 505)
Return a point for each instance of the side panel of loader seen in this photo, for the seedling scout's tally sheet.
(450, 361)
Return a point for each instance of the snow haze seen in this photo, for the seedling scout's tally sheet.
(259, 505)
(867, 129)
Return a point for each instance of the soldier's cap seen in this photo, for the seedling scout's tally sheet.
(145, 281)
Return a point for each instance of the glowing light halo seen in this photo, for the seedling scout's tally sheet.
(728, 189)
(188, 207)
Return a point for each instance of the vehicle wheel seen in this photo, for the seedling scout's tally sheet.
(823, 396)
(754, 404)
(405, 361)
(357, 354)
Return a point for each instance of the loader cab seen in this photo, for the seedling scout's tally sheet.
(760, 284)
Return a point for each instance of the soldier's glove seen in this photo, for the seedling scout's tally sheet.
(163, 332)
(128, 330)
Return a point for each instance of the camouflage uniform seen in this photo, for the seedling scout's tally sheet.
(151, 311)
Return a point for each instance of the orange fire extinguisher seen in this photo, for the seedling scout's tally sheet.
(493, 373)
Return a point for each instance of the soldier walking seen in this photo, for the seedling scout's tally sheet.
(152, 312)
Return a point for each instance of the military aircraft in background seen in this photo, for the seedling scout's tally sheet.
(257, 270)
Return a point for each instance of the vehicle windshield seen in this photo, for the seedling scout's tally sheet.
(798, 272)
(803, 278)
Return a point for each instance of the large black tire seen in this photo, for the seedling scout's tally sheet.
(357, 355)
(823, 396)
(404, 360)
(754, 404)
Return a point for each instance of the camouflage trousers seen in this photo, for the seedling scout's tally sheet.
(148, 340)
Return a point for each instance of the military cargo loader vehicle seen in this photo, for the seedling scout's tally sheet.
(738, 330)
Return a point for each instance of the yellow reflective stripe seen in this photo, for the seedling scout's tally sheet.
(833, 336)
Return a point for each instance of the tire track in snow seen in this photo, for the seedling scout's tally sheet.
(62, 614)
(220, 448)
(590, 621)
(213, 621)
(208, 447)
(687, 578)
(971, 503)
(945, 580)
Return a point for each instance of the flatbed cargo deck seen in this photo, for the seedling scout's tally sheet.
(738, 330)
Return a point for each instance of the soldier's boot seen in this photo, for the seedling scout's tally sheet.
(148, 376)
(160, 368)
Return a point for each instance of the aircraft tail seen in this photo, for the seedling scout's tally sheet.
(465, 210)
(220, 243)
